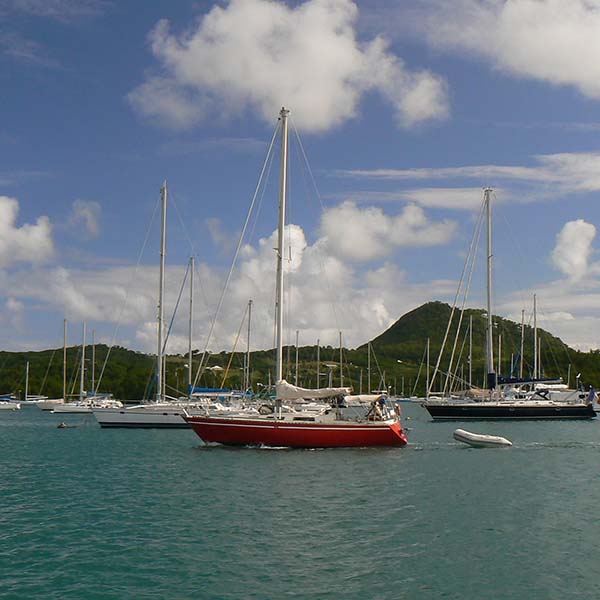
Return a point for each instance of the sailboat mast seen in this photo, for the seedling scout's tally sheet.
(427, 371)
(190, 328)
(296, 371)
(26, 380)
(341, 363)
(161, 293)
(280, 245)
(522, 342)
(248, 345)
(535, 340)
(499, 354)
(369, 367)
(93, 362)
(64, 360)
(490, 348)
(318, 364)
(470, 351)
(81, 388)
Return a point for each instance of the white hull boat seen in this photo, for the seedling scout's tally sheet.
(87, 406)
(480, 440)
(10, 406)
(49, 403)
(151, 416)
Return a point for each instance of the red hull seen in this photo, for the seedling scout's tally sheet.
(254, 432)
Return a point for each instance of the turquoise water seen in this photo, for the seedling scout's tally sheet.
(91, 513)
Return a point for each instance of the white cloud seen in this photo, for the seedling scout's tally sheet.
(324, 295)
(26, 51)
(261, 54)
(61, 10)
(367, 233)
(86, 213)
(573, 248)
(14, 311)
(449, 198)
(163, 99)
(550, 40)
(222, 239)
(552, 176)
(29, 243)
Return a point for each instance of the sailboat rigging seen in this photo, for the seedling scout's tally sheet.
(329, 427)
(509, 398)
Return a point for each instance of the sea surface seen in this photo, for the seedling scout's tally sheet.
(91, 513)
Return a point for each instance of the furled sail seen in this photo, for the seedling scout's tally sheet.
(287, 391)
(363, 398)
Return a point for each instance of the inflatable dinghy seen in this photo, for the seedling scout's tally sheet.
(480, 440)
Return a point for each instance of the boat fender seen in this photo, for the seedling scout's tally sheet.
(265, 409)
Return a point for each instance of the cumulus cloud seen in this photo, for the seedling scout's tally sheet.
(324, 294)
(550, 40)
(570, 311)
(29, 243)
(86, 214)
(573, 248)
(262, 54)
(368, 233)
(222, 239)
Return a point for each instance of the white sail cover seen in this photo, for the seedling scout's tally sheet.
(287, 391)
(362, 398)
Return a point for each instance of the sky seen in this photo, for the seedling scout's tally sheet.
(400, 114)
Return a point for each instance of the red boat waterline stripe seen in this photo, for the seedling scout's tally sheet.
(295, 427)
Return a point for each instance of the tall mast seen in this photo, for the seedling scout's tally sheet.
(490, 348)
(318, 364)
(93, 362)
(296, 371)
(190, 328)
(280, 245)
(499, 353)
(26, 380)
(522, 342)
(64, 360)
(341, 363)
(470, 351)
(161, 293)
(427, 371)
(535, 340)
(248, 345)
(369, 367)
(81, 390)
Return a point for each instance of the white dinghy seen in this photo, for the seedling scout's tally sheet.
(480, 440)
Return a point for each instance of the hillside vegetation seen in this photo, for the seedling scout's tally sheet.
(397, 355)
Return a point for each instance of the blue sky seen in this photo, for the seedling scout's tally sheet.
(405, 113)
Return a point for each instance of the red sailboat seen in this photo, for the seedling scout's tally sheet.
(328, 428)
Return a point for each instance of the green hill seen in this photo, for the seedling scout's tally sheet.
(397, 357)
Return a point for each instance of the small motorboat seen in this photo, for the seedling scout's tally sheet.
(480, 440)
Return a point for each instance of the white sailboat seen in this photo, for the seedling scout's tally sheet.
(161, 413)
(9, 402)
(86, 402)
